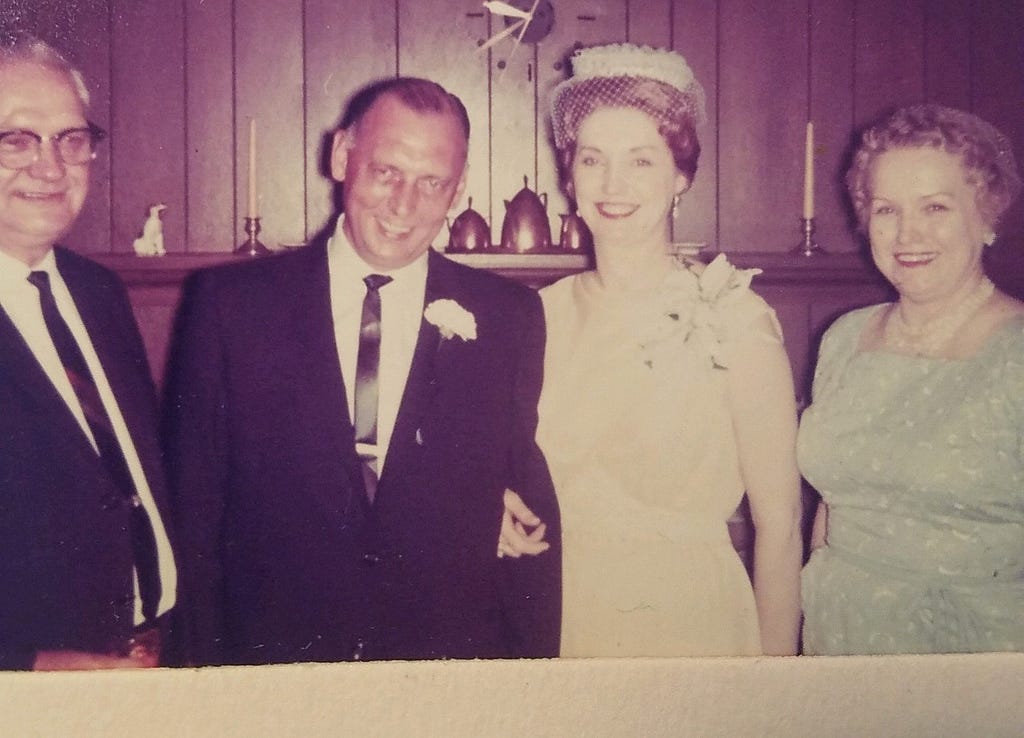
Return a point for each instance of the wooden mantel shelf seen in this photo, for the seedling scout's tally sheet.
(536, 269)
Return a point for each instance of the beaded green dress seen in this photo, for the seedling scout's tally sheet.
(921, 462)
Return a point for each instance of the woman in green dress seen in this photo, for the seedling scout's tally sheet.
(915, 438)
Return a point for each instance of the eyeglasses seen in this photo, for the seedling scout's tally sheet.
(20, 149)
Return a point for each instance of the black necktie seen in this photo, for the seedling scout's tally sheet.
(143, 540)
(367, 365)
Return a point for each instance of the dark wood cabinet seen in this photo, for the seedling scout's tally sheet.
(806, 292)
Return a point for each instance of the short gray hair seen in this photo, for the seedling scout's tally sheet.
(23, 47)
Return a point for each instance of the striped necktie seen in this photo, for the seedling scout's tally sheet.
(366, 396)
(143, 540)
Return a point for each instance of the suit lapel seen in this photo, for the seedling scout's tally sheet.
(22, 370)
(315, 367)
(124, 367)
(114, 336)
(422, 383)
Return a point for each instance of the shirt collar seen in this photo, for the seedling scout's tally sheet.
(15, 270)
(351, 268)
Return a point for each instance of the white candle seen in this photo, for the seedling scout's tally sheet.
(809, 172)
(252, 212)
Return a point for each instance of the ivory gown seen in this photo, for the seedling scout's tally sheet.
(635, 425)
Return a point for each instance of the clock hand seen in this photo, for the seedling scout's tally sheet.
(501, 34)
(496, 7)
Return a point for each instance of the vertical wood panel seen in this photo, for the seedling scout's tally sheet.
(889, 56)
(428, 35)
(998, 89)
(947, 59)
(577, 23)
(762, 115)
(148, 120)
(298, 60)
(513, 126)
(649, 22)
(269, 87)
(695, 33)
(346, 48)
(831, 109)
(83, 32)
(791, 308)
(209, 105)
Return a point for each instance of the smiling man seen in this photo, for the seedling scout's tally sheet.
(86, 569)
(344, 419)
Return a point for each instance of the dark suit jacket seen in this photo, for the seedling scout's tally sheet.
(283, 559)
(65, 554)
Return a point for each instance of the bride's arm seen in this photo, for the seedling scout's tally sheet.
(764, 421)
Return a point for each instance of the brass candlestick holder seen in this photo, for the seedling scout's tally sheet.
(809, 245)
(252, 246)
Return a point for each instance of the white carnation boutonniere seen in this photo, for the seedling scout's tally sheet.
(451, 319)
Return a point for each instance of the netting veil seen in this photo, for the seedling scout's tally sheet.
(655, 81)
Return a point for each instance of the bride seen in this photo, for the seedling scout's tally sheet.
(667, 394)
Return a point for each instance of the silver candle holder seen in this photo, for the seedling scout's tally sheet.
(252, 245)
(808, 246)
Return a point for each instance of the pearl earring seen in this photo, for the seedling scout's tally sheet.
(990, 238)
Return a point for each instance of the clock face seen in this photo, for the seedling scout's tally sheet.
(542, 22)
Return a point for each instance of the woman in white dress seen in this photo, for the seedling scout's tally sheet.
(667, 394)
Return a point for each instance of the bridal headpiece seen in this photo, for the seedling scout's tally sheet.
(656, 81)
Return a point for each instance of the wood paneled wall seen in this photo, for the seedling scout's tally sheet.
(175, 82)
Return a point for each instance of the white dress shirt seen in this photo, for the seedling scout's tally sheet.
(20, 300)
(401, 313)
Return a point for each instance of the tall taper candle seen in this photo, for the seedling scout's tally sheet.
(809, 172)
(252, 213)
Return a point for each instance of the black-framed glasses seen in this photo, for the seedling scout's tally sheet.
(20, 148)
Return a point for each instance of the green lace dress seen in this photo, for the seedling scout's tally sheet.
(921, 462)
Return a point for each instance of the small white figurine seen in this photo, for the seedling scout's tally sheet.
(151, 242)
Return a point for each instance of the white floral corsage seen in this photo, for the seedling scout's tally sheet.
(451, 319)
(701, 317)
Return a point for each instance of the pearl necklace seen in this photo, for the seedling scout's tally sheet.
(929, 338)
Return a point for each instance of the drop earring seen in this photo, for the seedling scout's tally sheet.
(989, 239)
(675, 206)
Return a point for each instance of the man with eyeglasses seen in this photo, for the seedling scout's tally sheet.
(86, 568)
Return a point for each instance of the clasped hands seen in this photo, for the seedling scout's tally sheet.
(514, 540)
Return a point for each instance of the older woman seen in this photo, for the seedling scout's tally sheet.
(914, 439)
(667, 392)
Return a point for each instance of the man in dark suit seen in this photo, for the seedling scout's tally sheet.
(86, 569)
(344, 419)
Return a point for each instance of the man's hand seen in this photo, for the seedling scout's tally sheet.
(86, 661)
(514, 540)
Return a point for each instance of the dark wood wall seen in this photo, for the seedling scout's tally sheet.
(176, 81)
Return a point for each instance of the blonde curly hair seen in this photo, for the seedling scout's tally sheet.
(985, 155)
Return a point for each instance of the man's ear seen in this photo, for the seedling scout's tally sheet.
(340, 148)
(460, 187)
